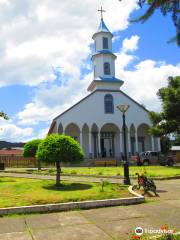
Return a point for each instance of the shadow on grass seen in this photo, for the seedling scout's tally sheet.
(69, 187)
(173, 167)
(6, 180)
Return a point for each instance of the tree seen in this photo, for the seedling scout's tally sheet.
(57, 148)
(165, 144)
(168, 121)
(166, 6)
(3, 115)
(30, 149)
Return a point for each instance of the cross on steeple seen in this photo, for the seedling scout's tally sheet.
(101, 10)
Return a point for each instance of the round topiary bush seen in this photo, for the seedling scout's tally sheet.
(57, 148)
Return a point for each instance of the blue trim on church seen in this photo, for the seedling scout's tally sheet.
(110, 79)
(103, 52)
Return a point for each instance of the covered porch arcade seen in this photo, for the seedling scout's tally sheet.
(106, 141)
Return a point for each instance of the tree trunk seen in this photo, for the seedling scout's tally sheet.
(58, 173)
(39, 164)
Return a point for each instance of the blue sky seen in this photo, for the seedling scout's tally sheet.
(35, 40)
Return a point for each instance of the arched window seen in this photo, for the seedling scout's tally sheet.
(107, 68)
(108, 103)
(105, 43)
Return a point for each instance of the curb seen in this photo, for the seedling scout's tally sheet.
(74, 205)
(135, 193)
(71, 206)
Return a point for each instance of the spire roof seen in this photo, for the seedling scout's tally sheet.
(102, 27)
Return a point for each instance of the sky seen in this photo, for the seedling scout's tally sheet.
(45, 51)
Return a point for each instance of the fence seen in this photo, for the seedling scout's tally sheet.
(18, 161)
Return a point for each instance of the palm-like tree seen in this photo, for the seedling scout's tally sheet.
(3, 115)
(166, 6)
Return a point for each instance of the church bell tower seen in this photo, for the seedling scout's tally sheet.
(103, 60)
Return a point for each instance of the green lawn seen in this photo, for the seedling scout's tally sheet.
(21, 191)
(151, 171)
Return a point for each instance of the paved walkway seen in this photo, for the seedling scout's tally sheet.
(98, 224)
(65, 178)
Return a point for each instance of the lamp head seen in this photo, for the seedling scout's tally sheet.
(123, 107)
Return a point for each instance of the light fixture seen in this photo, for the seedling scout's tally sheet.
(123, 107)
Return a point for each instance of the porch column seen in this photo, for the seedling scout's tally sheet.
(136, 141)
(120, 140)
(152, 142)
(129, 143)
(90, 146)
(80, 139)
(99, 144)
(158, 144)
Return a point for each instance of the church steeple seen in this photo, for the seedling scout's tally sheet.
(103, 59)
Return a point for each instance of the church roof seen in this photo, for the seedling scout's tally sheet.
(100, 90)
(102, 28)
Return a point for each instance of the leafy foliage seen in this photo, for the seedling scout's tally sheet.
(168, 121)
(165, 144)
(30, 148)
(166, 6)
(57, 148)
(4, 115)
(176, 141)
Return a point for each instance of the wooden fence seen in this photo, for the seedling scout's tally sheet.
(18, 161)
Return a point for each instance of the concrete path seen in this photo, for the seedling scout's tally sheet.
(99, 224)
(65, 178)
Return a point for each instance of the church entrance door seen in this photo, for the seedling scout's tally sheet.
(107, 145)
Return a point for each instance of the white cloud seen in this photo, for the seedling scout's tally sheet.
(11, 132)
(131, 44)
(51, 101)
(38, 34)
(143, 82)
(42, 133)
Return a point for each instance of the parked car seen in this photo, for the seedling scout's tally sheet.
(154, 157)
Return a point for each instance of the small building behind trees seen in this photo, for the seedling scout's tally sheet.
(176, 152)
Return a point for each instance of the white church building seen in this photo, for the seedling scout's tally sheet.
(95, 122)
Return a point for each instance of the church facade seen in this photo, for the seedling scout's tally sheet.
(95, 122)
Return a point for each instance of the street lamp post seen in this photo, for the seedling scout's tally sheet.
(123, 108)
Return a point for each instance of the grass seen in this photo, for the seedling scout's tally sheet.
(151, 171)
(23, 192)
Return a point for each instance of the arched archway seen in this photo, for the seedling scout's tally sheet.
(60, 128)
(94, 128)
(144, 138)
(73, 130)
(109, 140)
